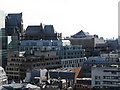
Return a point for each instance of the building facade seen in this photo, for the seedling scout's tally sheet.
(91, 43)
(73, 62)
(107, 76)
(3, 40)
(40, 45)
(18, 63)
(71, 56)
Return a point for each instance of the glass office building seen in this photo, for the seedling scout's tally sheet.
(3, 40)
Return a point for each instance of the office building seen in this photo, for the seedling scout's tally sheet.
(3, 40)
(71, 56)
(19, 63)
(91, 43)
(14, 30)
(106, 76)
(40, 45)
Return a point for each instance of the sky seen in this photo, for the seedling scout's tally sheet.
(68, 16)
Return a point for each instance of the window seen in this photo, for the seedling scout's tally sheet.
(33, 44)
(111, 82)
(97, 77)
(45, 44)
(113, 72)
(54, 44)
(97, 82)
(27, 44)
(110, 77)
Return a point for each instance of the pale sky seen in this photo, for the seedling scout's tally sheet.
(68, 16)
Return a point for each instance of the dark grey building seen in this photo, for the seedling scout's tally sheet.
(38, 32)
(14, 24)
(3, 40)
(14, 30)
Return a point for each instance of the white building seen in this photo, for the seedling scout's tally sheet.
(106, 76)
(3, 77)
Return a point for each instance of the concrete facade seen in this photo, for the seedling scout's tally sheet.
(18, 63)
(106, 76)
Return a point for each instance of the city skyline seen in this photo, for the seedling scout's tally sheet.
(69, 17)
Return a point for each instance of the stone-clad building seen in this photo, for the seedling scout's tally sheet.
(19, 63)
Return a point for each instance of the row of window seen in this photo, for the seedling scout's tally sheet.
(71, 48)
(45, 64)
(111, 71)
(19, 64)
(12, 69)
(108, 77)
(70, 57)
(73, 53)
(72, 61)
(37, 48)
(111, 77)
(72, 65)
(111, 82)
(32, 60)
(107, 82)
(43, 44)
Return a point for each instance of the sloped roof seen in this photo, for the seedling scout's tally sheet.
(33, 29)
(49, 29)
(80, 34)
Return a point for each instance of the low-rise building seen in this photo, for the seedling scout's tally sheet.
(62, 78)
